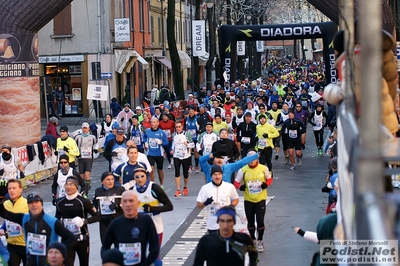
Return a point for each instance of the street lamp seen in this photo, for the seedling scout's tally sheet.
(209, 3)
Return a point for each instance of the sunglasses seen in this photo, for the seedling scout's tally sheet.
(140, 176)
(63, 162)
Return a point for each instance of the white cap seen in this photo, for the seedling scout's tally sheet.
(85, 125)
(138, 108)
(190, 95)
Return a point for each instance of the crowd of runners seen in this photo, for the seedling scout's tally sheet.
(233, 135)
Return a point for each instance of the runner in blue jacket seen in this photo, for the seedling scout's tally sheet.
(227, 168)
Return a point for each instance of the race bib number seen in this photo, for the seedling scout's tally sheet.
(36, 244)
(254, 187)
(72, 227)
(61, 192)
(292, 134)
(9, 175)
(318, 124)
(168, 133)
(86, 152)
(13, 229)
(180, 152)
(245, 140)
(61, 152)
(105, 203)
(214, 207)
(132, 253)
(207, 148)
(192, 133)
(153, 143)
(304, 103)
(231, 136)
(262, 142)
(137, 140)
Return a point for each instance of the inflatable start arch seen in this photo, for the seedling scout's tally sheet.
(230, 34)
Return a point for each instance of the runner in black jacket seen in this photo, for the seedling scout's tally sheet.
(73, 211)
(107, 199)
(40, 230)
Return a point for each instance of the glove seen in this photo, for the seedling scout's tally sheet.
(66, 149)
(56, 153)
(78, 221)
(21, 175)
(264, 185)
(265, 135)
(242, 188)
(96, 151)
(122, 119)
(114, 154)
(129, 185)
(112, 206)
(146, 208)
(54, 201)
(159, 141)
(208, 201)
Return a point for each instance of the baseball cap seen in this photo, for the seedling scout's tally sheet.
(64, 128)
(115, 125)
(247, 114)
(216, 169)
(34, 196)
(138, 108)
(120, 131)
(190, 95)
(209, 123)
(85, 125)
(140, 169)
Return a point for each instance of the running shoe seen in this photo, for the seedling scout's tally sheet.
(177, 193)
(197, 169)
(293, 167)
(185, 191)
(162, 187)
(260, 246)
(190, 169)
(276, 156)
(286, 161)
(169, 166)
(172, 162)
(321, 152)
(298, 161)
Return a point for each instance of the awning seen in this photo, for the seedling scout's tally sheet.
(186, 62)
(203, 59)
(124, 60)
(165, 62)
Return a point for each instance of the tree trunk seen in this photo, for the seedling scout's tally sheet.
(173, 52)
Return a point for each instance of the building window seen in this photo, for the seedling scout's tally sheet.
(141, 14)
(160, 29)
(62, 22)
(152, 29)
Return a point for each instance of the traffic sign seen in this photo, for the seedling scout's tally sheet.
(106, 75)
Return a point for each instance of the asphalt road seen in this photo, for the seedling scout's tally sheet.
(297, 201)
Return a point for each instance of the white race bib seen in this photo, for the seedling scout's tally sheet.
(105, 203)
(137, 140)
(245, 140)
(192, 133)
(254, 187)
(153, 143)
(71, 226)
(86, 152)
(13, 229)
(132, 253)
(292, 134)
(36, 244)
(262, 143)
(168, 133)
(180, 152)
